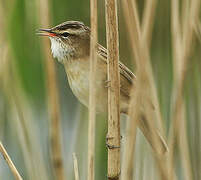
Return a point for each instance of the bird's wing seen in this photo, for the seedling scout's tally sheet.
(127, 78)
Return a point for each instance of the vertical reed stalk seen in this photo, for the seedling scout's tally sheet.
(183, 146)
(92, 90)
(147, 29)
(76, 170)
(145, 76)
(176, 36)
(148, 20)
(129, 151)
(3, 43)
(184, 49)
(22, 123)
(10, 163)
(113, 136)
(53, 99)
(130, 139)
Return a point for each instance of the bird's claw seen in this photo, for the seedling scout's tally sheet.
(107, 83)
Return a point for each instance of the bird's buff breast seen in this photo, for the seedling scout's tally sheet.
(78, 77)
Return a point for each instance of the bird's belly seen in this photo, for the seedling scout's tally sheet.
(79, 82)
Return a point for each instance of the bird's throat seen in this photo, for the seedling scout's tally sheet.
(61, 51)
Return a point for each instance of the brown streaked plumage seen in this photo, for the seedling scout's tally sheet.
(70, 44)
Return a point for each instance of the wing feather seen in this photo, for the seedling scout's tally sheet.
(127, 78)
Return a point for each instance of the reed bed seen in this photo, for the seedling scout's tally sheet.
(160, 40)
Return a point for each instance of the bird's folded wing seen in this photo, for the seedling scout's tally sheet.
(127, 78)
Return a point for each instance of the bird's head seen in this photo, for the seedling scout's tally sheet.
(69, 40)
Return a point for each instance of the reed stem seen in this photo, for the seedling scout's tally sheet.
(10, 163)
(113, 136)
(92, 91)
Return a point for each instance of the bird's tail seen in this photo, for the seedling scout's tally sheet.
(154, 137)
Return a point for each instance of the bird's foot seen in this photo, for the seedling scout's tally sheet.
(107, 84)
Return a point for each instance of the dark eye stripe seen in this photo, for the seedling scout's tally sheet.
(65, 34)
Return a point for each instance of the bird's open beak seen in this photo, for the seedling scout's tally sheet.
(45, 32)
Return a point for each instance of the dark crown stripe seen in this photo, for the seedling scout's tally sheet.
(69, 25)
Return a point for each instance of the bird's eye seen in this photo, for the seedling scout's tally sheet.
(65, 34)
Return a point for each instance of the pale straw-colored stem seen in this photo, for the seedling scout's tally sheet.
(184, 147)
(11, 86)
(130, 138)
(92, 91)
(184, 48)
(148, 20)
(197, 29)
(176, 36)
(10, 163)
(145, 75)
(113, 136)
(52, 98)
(76, 170)
(147, 29)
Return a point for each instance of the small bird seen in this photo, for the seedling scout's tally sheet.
(70, 44)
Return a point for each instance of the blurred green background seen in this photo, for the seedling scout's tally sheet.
(22, 80)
